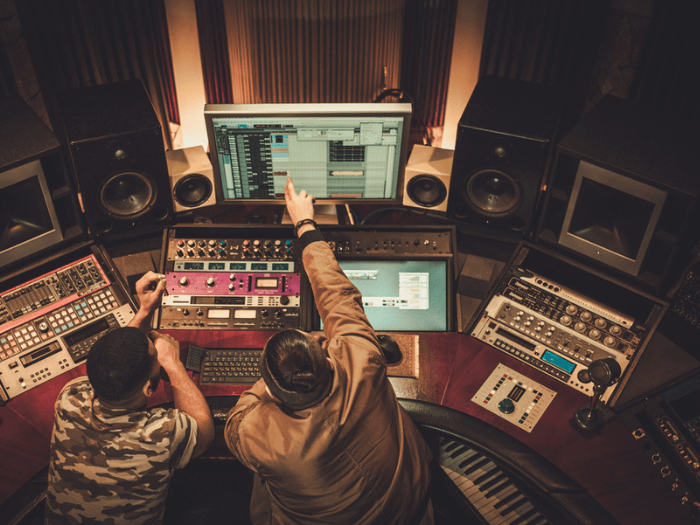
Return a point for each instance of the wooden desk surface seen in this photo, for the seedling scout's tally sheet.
(453, 366)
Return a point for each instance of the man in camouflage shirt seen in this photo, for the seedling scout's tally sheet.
(111, 458)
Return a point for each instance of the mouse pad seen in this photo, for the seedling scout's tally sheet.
(408, 366)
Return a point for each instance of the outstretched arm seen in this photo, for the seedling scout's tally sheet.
(339, 302)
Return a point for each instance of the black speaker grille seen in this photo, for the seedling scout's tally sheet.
(128, 194)
(492, 192)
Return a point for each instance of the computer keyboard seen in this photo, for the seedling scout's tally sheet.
(230, 366)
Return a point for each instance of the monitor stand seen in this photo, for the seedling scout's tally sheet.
(323, 214)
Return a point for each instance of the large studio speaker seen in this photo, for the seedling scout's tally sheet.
(503, 145)
(118, 158)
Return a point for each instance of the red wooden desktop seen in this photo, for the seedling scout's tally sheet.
(453, 366)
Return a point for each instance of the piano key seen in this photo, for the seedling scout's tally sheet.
(498, 488)
(524, 518)
(490, 471)
(474, 466)
(466, 459)
(495, 480)
(492, 513)
(486, 487)
(538, 520)
(459, 462)
(477, 492)
(520, 503)
(486, 505)
(523, 507)
(472, 492)
(451, 446)
(506, 501)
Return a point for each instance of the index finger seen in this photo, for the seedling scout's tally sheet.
(289, 188)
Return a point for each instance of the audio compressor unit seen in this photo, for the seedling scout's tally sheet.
(222, 277)
(49, 322)
(559, 329)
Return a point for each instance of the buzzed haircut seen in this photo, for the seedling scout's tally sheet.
(119, 364)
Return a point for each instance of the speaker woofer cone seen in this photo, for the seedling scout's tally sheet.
(492, 192)
(426, 190)
(127, 194)
(192, 190)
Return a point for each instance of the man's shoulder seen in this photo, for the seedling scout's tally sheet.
(78, 383)
(167, 420)
(78, 387)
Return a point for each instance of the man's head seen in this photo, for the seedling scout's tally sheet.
(296, 369)
(122, 367)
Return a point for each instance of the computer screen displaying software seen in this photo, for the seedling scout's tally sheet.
(402, 295)
(336, 157)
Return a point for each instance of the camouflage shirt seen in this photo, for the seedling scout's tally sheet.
(112, 466)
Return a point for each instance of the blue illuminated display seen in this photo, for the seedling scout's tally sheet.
(558, 361)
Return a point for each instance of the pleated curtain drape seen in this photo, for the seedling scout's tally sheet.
(313, 50)
(282, 51)
(82, 43)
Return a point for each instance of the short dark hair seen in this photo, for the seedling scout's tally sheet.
(295, 369)
(119, 364)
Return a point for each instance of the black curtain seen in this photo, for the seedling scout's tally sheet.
(550, 42)
(429, 29)
(668, 75)
(82, 43)
(7, 78)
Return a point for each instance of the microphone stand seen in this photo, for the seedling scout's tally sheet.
(588, 416)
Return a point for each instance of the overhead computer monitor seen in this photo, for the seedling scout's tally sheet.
(339, 153)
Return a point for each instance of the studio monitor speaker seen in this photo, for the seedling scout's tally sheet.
(427, 178)
(501, 155)
(191, 178)
(118, 158)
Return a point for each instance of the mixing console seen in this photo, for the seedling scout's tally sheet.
(48, 324)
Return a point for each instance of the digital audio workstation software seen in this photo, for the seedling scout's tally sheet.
(402, 295)
(342, 157)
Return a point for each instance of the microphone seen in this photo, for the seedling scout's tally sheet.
(603, 373)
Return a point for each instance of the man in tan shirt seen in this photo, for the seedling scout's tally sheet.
(322, 430)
